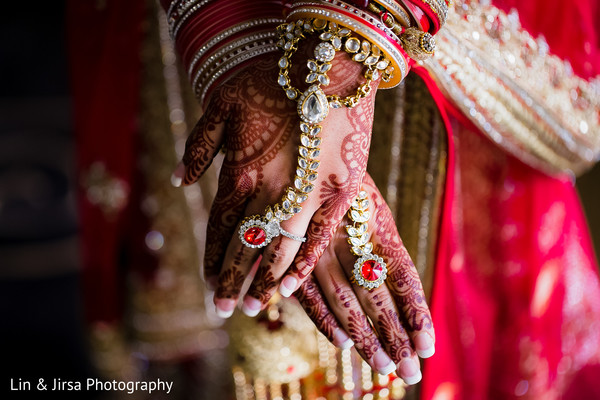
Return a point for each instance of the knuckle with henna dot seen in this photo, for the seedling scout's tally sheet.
(345, 299)
(376, 302)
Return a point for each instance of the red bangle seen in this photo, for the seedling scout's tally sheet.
(196, 29)
(436, 11)
(421, 19)
(189, 44)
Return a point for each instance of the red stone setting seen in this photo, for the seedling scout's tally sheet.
(371, 270)
(255, 235)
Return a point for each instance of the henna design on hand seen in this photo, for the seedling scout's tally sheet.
(310, 297)
(394, 334)
(403, 279)
(230, 283)
(263, 285)
(362, 333)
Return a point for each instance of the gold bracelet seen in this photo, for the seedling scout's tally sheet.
(313, 107)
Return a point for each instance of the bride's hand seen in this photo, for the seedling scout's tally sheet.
(390, 326)
(259, 127)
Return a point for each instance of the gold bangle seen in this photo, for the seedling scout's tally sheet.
(394, 52)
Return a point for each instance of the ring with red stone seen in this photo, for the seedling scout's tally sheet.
(369, 271)
(255, 232)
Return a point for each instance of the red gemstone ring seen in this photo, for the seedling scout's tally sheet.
(369, 271)
(255, 232)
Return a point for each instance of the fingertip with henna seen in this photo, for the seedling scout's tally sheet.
(382, 363)
(424, 345)
(341, 340)
(288, 286)
(409, 371)
(251, 306)
(225, 307)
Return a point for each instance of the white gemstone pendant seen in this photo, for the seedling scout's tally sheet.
(324, 52)
(313, 106)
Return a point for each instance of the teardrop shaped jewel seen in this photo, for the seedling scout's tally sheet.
(314, 108)
(282, 80)
(303, 163)
(291, 94)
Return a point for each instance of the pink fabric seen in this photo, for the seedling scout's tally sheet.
(516, 300)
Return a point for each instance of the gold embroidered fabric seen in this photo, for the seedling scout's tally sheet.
(524, 99)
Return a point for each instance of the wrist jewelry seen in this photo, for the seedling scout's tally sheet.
(313, 107)
(370, 270)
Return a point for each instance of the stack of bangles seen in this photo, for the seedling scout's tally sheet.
(217, 38)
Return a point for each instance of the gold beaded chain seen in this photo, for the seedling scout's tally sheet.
(313, 107)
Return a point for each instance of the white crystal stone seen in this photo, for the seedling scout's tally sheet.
(359, 57)
(324, 68)
(336, 42)
(301, 198)
(312, 65)
(311, 177)
(286, 204)
(304, 127)
(302, 163)
(282, 80)
(291, 195)
(352, 45)
(314, 165)
(382, 64)
(296, 209)
(308, 188)
(323, 79)
(315, 131)
(291, 94)
(298, 184)
(300, 173)
(316, 143)
(324, 52)
(371, 60)
(315, 153)
(310, 78)
(304, 152)
(272, 228)
(283, 62)
(305, 141)
(314, 108)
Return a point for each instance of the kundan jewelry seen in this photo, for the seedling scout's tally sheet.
(370, 270)
(313, 107)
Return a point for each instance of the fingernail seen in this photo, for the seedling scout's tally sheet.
(225, 307)
(251, 307)
(288, 285)
(409, 371)
(176, 181)
(342, 340)
(424, 345)
(383, 363)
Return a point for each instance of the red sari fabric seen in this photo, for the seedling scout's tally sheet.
(105, 64)
(516, 299)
